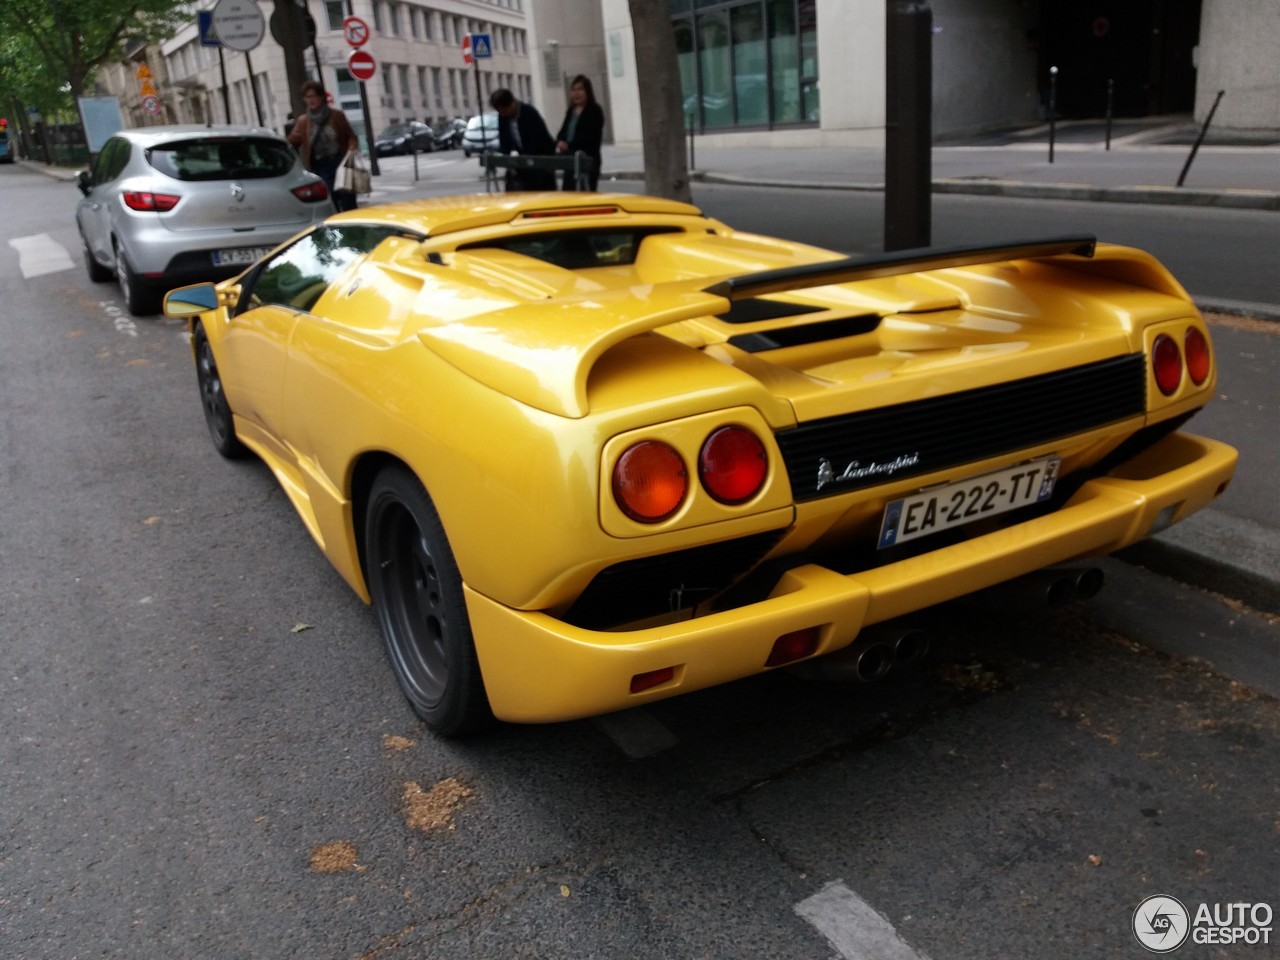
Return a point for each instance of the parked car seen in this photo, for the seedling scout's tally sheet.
(585, 452)
(402, 138)
(449, 135)
(169, 205)
(6, 148)
(481, 134)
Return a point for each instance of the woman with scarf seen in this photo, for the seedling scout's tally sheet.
(323, 137)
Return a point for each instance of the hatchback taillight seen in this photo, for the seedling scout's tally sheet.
(150, 202)
(311, 192)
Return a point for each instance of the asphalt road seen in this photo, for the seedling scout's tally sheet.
(205, 754)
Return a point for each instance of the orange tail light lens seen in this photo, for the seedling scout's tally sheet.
(733, 464)
(649, 481)
(1197, 348)
(1166, 363)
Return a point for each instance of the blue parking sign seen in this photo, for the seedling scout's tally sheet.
(208, 36)
(481, 45)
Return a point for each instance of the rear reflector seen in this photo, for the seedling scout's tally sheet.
(793, 646)
(654, 678)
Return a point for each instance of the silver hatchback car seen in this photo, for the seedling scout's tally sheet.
(172, 205)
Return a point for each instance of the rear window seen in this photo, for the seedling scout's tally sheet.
(223, 158)
(579, 249)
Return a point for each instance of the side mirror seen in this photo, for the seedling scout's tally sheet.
(83, 182)
(188, 301)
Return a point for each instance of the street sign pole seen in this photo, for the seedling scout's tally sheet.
(226, 94)
(257, 101)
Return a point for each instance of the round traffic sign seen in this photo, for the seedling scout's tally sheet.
(355, 31)
(239, 24)
(361, 65)
(151, 105)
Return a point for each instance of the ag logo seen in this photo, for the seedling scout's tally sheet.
(1161, 924)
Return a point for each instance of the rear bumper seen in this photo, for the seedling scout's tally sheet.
(539, 669)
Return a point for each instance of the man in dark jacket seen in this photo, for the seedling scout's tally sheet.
(522, 130)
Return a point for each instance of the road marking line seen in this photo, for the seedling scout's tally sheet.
(853, 926)
(636, 733)
(40, 254)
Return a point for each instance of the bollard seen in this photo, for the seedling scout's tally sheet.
(1053, 107)
(1200, 138)
(1110, 90)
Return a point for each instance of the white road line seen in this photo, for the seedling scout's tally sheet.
(853, 926)
(40, 254)
(636, 733)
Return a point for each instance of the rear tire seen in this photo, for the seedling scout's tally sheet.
(217, 412)
(417, 595)
(141, 300)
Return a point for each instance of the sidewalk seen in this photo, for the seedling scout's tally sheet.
(1143, 164)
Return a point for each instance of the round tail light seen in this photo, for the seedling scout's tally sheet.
(733, 464)
(649, 481)
(1197, 348)
(1166, 362)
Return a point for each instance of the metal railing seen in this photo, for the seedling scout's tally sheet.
(579, 166)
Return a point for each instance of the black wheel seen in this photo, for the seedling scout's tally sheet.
(141, 300)
(97, 272)
(417, 595)
(217, 412)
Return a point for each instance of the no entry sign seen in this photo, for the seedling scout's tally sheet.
(361, 65)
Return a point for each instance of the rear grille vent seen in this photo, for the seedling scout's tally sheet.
(636, 589)
(839, 454)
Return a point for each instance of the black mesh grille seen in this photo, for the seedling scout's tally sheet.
(838, 454)
(650, 586)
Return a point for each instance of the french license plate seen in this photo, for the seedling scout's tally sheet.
(239, 256)
(953, 504)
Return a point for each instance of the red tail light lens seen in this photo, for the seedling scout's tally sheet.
(1166, 362)
(1197, 348)
(654, 678)
(649, 481)
(311, 192)
(733, 464)
(150, 202)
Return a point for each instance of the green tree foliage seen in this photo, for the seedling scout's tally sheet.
(52, 48)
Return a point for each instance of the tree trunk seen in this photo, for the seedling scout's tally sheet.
(661, 115)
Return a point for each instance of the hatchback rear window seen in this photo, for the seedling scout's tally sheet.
(223, 158)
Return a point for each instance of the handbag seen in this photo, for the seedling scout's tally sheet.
(354, 174)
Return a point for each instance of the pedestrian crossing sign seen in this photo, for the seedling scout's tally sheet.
(481, 46)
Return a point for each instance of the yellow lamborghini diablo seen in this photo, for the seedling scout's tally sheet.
(585, 451)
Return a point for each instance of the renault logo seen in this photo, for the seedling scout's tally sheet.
(237, 193)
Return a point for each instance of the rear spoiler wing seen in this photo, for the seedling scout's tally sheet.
(893, 264)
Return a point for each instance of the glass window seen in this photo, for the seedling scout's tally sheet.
(377, 16)
(715, 71)
(393, 10)
(298, 276)
(808, 58)
(685, 54)
(750, 80)
(784, 50)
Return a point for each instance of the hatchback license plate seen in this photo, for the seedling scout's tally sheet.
(953, 504)
(239, 256)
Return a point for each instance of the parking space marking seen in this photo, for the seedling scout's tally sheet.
(853, 927)
(40, 254)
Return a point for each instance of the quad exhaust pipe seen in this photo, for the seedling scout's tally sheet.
(875, 652)
(1053, 586)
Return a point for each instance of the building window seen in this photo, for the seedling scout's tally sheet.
(435, 85)
(415, 24)
(377, 16)
(428, 27)
(334, 12)
(393, 14)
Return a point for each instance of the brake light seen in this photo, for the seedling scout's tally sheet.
(150, 202)
(311, 192)
(733, 464)
(570, 212)
(1197, 349)
(649, 481)
(1166, 363)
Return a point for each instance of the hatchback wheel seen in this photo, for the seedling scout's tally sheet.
(141, 300)
(417, 594)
